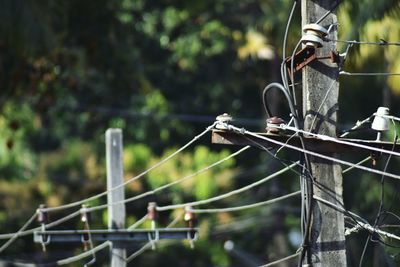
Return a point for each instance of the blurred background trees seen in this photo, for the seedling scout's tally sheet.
(162, 71)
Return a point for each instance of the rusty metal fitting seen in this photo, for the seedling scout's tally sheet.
(189, 217)
(272, 124)
(43, 216)
(333, 56)
(152, 213)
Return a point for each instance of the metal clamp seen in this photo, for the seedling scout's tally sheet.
(154, 240)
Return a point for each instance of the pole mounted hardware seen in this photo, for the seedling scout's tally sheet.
(57, 236)
(313, 37)
(43, 218)
(381, 122)
(224, 118)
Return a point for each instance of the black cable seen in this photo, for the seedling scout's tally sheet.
(328, 12)
(381, 203)
(288, 98)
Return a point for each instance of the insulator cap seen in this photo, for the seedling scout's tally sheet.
(85, 214)
(43, 216)
(189, 217)
(152, 213)
(274, 121)
(380, 122)
(315, 29)
(313, 35)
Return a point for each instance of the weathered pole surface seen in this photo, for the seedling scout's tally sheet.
(115, 177)
(320, 106)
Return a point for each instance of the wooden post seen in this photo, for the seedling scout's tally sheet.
(115, 177)
(320, 106)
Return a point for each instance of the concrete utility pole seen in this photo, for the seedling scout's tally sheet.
(115, 177)
(320, 81)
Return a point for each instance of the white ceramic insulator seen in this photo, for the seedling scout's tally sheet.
(381, 122)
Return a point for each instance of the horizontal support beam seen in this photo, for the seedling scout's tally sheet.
(114, 235)
(311, 143)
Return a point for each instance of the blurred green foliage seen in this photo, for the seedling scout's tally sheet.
(161, 71)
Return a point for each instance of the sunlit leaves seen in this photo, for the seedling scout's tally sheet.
(255, 46)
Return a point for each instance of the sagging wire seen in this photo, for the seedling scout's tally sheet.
(18, 234)
(161, 188)
(99, 207)
(293, 256)
(355, 42)
(231, 193)
(80, 202)
(249, 206)
(368, 73)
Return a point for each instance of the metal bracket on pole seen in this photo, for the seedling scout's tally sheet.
(117, 235)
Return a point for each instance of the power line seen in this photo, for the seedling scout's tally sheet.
(335, 140)
(231, 193)
(368, 73)
(244, 131)
(49, 225)
(364, 225)
(139, 222)
(74, 204)
(138, 252)
(17, 234)
(148, 193)
(152, 192)
(249, 206)
(355, 42)
(293, 256)
(358, 163)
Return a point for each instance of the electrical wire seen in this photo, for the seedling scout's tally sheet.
(249, 206)
(65, 261)
(148, 245)
(368, 73)
(137, 223)
(336, 140)
(312, 153)
(293, 256)
(357, 125)
(74, 204)
(288, 98)
(362, 224)
(381, 203)
(17, 234)
(94, 208)
(328, 12)
(138, 252)
(82, 255)
(354, 42)
(48, 225)
(231, 193)
(358, 163)
(321, 105)
(284, 46)
(158, 189)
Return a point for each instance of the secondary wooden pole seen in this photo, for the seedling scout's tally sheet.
(115, 177)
